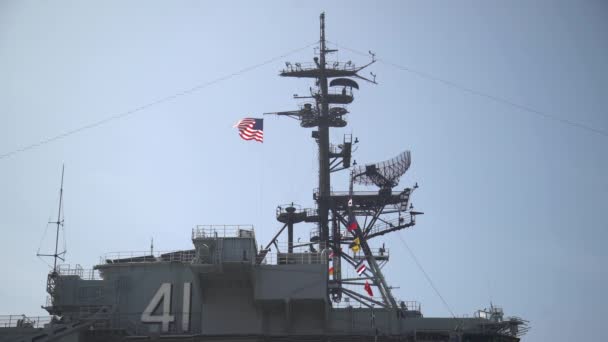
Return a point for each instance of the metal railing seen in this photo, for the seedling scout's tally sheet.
(215, 231)
(411, 305)
(347, 302)
(22, 321)
(298, 246)
(292, 67)
(383, 226)
(493, 313)
(273, 258)
(146, 256)
(346, 92)
(311, 212)
(77, 270)
(347, 193)
(378, 253)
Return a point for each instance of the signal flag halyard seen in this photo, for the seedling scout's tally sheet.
(251, 129)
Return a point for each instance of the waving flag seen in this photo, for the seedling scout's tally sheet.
(361, 267)
(368, 289)
(251, 129)
(352, 223)
(355, 245)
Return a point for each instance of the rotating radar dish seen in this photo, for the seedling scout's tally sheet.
(384, 174)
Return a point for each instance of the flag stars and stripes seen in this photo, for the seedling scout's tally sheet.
(251, 129)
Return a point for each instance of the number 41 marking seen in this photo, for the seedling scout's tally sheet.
(165, 318)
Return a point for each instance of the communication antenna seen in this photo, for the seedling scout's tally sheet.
(58, 223)
(335, 213)
(384, 175)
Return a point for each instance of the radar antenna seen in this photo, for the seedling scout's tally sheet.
(379, 213)
(384, 175)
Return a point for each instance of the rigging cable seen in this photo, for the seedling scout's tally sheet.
(150, 104)
(445, 303)
(483, 94)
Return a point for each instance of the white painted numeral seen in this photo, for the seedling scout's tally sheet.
(163, 294)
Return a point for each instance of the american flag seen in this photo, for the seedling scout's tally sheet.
(251, 129)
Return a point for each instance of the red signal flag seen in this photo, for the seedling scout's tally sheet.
(352, 225)
(368, 289)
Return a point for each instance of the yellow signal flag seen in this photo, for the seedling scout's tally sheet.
(356, 245)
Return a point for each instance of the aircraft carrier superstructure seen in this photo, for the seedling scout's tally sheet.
(230, 288)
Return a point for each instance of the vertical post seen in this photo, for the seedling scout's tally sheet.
(58, 221)
(324, 179)
(290, 236)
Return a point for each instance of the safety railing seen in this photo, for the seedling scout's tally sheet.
(411, 305)
(493, 313)
(346, 193)
(77, 270)
(389, 225)
(347, 302)
(378, 229)
(146, 256)
(311, 212)
(345, 91)
(273, 258)
(378, 253)
(22, 321)
(294, 211)
(293, 67)
(215, 231)
(299, 246)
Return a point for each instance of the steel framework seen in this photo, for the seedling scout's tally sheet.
(378, 212)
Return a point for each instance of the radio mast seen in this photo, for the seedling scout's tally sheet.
(58, 224)
(324, 108)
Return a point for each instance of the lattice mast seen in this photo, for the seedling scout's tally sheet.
(58, 224)
(53, 275)
(326, 109)
(322, 117)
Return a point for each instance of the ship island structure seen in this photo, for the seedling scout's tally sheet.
(229, 288)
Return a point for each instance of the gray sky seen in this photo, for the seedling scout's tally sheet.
(514, 201)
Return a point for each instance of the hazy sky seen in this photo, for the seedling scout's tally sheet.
(514, 202)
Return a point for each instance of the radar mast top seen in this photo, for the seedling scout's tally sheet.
(381, 212)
